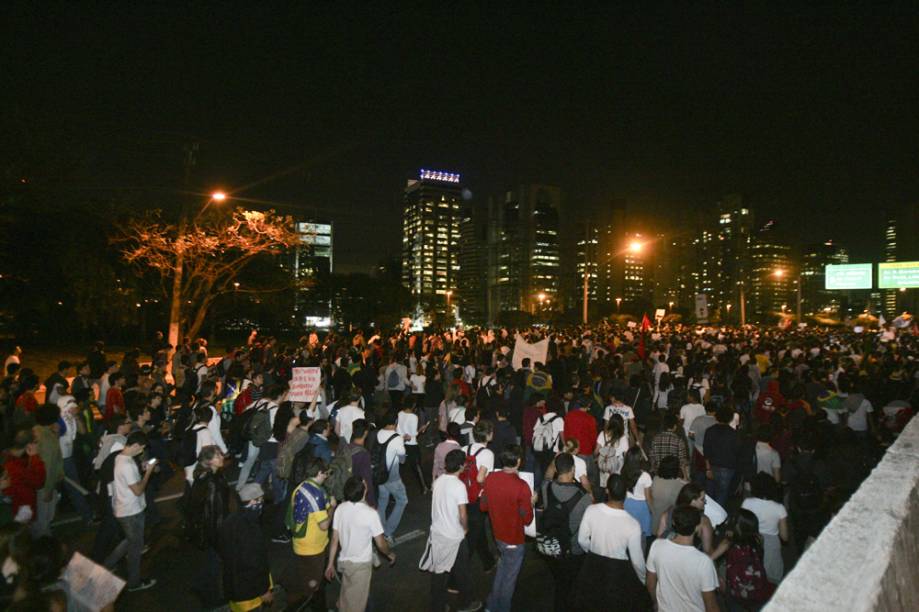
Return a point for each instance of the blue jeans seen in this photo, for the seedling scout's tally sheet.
(132, 546)
(278, 486)
(502, 589)
(397, 489)
(719, 487)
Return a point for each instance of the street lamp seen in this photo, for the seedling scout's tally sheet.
(218, 196)
(728, 306)
(618, 303)
(449, 294)
(670, 305)
(635, 246)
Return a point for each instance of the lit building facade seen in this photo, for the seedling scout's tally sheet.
(472, 279)
(814, 259)
(431, 218)
(312, 263)
(770, 293)
(524, 255)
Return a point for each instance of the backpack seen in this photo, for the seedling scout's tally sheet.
(746, 575)
(238, 435)
(608, 460)
(544, 438)
(258, 430)
(393, 379)
(287, 457)
(298, 530)
(188, 451)
(379, 469)
(470, 475)
(340, 470)
(554, 539)
(296, 471)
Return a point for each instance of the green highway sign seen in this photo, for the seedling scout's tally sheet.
(898, 275)
(848, 276)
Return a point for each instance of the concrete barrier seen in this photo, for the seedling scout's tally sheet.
(867, 558)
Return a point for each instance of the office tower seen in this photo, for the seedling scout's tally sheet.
(815, 258)
(524, 250)
(431, 219)
(727, 247)
(311, 265)
(587, 260)
(901, 245)
(472, 280)
(772, 278)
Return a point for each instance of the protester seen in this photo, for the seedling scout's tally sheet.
(128, 505)
(393, 455)
(244, 554)
(680, 578)
(356, 527)
(509, 502)
(447, 556)
(310, 517)
(207, 508)
(765, 503)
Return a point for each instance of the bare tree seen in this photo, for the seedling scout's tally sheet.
(212, 251)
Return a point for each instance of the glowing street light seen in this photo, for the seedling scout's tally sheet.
(635, 246)
(779, 273)
(670, 305)
(218, 196)
(618, 303)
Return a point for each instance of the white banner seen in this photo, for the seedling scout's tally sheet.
(303, 385)
(701, 308)
(523, 349)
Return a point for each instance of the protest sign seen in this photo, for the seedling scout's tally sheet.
(303, 384)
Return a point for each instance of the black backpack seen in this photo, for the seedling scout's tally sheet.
(554, 539)
(188, 451)
(300, 461)
(379, 470)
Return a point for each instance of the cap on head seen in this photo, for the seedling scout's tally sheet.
(251, 491)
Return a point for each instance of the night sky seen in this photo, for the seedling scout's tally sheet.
(812, 115)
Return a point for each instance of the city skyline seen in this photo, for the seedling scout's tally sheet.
(805, 113)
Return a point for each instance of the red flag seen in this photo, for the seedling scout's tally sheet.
(645, 323)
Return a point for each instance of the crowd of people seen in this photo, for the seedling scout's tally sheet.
(678, 469)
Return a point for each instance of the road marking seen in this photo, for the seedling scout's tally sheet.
(408, 537)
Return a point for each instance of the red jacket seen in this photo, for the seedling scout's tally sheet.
(508, 501)
(580, 425)
(114, 402)
(27, 476)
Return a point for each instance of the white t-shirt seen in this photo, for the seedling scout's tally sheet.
(448, 493)
(484, 459)
(417, 381)
(858, 420)
(202, 438)
(580, 467)
(768, 512)
(457, 415)
(767, 459)
(395, 450)
(214, 427)
(357, 524)
(622, 410)
(408, 424)
(557, 423)
(638, 491)
(346, 417)
(688, 414)
(622, 444)
(124, 501)
(683, 574)
(612, 533)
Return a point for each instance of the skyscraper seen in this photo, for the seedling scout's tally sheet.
(472, 279)
(430, 237)
(814, 259)
(772, 278)
(312, 264)
(524, 249)
(900, 244)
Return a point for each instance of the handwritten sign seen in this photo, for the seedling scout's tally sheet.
(304, 383)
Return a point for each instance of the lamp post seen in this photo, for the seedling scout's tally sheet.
(781, 273)
(175, 305)
(618, 304)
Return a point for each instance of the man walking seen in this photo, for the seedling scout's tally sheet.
(128, 505)
(355, 528)
(680, 577)
(394, 456)
(509, 502)
(448, 555)
(722, 447)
